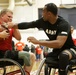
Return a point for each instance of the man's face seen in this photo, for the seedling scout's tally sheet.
(7, 17)
(45, 14)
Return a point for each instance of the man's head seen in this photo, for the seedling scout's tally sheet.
(6, 15)
(49, 10)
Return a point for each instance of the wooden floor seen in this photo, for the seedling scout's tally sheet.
(34, 70)
(36, 65)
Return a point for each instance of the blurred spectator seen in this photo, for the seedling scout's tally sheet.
(32, 48)
(19, 46)
(26, 48)
(38, 52)
(42, 47)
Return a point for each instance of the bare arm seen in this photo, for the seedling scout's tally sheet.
(58, 43)
(12, 25)
(17, 34)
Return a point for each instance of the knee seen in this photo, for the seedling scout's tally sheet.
(64, 55)
(63, 60)
(32, 56)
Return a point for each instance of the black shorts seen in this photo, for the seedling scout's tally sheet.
(55, 55)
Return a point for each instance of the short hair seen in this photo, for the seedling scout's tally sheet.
(4, 11)
(52, 8)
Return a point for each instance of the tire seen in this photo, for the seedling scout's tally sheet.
(46, 70)
(41, 67)
(3, 64)
(44, 67)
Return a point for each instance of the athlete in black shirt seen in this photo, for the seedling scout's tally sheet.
(58, 31)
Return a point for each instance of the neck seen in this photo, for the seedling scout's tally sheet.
(53, 20)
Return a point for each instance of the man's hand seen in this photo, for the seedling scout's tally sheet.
(33, 40)
(4, 34)
(10, 24)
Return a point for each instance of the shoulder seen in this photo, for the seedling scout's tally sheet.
(63, 23)
(62, 20)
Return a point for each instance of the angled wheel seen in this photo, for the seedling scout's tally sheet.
(40, 70)
(5, 63)
(46, 70)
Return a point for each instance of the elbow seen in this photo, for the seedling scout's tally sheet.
(19, 38)
(59, 45)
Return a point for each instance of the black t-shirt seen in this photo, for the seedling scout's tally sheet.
(60, 28)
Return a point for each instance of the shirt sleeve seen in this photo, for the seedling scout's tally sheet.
(33, 24)
(64, 28)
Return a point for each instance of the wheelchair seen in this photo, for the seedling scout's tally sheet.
(50, 67)
(5, 62)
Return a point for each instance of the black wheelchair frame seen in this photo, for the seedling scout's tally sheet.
(8, 62)
(50, 68)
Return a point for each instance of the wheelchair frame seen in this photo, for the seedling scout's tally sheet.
(69, 67)
(5, 60)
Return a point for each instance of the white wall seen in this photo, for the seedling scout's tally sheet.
(29, 13)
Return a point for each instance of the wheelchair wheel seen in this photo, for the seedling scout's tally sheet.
(67, 70)
(44, 70)
(49, 71)
(40, 70)
(5, 63)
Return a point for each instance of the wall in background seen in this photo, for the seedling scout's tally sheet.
(29, 13)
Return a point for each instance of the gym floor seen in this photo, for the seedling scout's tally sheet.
(36, 67)
(34, 70)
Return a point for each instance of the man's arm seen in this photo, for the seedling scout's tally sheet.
(17, 34)
(58, 43)
(12, 25)
(26, 25)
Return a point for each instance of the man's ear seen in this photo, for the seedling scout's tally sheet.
(49, 13)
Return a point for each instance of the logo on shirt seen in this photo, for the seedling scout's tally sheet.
(63, 32)
(52, 32)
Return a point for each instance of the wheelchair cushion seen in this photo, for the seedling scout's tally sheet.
(52, 62)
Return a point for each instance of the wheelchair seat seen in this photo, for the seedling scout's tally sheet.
(51, 62)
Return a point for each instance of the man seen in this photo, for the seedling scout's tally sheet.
(59, 33)
(6, 35)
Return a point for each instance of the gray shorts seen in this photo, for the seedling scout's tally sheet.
(25, 56)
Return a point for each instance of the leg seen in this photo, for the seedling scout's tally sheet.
(32, 60)
(64, 58)
(29, 59)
